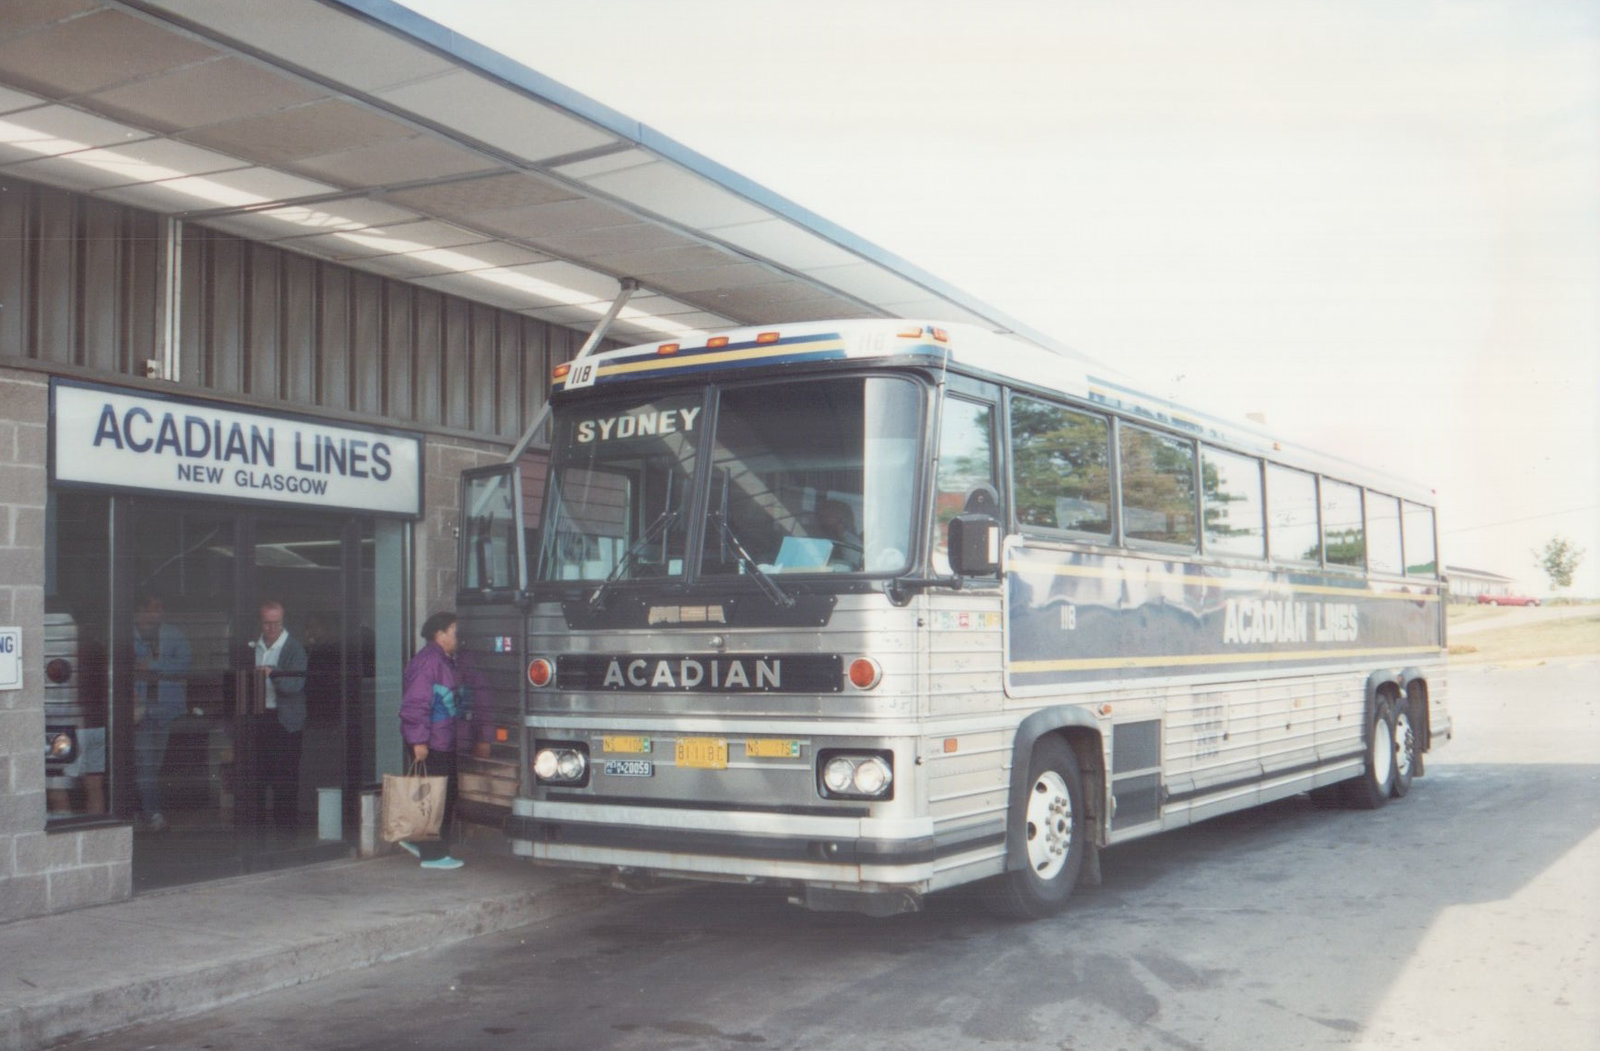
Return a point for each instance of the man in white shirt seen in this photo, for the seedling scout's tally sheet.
(278, 716)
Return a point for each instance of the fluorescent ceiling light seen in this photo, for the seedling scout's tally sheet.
(209, 193)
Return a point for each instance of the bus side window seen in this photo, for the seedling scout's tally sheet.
(1383, 534)
(1421, 561)
(1231, 504)
(1158, 492)
(1061, 468)
(1344, 535)
(966, 460)
(1293, 534)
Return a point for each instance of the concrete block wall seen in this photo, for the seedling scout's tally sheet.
(40, 871)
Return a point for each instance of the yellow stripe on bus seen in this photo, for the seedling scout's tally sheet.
(1204, 659)
(1098, 573)
(672, 361)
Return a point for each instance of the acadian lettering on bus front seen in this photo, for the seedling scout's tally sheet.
(101, 436)
(703, 673)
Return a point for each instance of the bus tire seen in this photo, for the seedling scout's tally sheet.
(1405, 751)
(1052, 828)
(1371, 790)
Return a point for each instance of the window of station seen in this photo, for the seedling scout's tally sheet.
(1417, 523)
(1383, 534)
(1344, 541)
(1158, 492)
(81, 753)
(1062, 465)
(1293, 534)
(1233, 506)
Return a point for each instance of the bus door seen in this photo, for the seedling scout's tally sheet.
(499, 526)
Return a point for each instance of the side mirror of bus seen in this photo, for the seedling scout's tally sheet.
(974, 541)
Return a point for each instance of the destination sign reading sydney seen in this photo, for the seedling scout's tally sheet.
(122, 439)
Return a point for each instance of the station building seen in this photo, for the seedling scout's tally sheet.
(271, 277)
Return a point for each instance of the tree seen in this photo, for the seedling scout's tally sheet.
(1559, 559)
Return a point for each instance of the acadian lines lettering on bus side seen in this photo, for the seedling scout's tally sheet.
(1249, 621)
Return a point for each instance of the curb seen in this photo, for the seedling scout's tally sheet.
(158, 994)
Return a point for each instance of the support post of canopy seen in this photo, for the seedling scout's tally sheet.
(629, 286)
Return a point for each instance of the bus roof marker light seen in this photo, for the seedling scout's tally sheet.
(561, 370)
(910, 333)
(667, 348)
(767, 337)
(716, 341)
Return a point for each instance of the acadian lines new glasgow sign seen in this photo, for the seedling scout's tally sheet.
(132, 440)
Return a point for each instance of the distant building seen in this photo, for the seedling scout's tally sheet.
(1465, 585)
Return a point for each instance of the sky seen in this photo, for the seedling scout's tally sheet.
(1374, 223)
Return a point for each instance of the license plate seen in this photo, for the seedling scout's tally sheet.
(625, 745)
(703, 753)
(771, 748)
(630, 768)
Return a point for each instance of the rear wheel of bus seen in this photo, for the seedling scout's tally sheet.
(1050, 825)
(1405, 750)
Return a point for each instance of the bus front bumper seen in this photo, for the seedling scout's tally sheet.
(828, 856)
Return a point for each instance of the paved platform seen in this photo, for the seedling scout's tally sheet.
(182, 950)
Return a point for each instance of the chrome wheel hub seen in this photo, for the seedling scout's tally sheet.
(1049, 825)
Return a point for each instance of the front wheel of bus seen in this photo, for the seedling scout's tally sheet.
(1372, 788)
(1050, 826)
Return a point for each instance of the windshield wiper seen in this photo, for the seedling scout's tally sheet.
(768, 586)
(659, 526)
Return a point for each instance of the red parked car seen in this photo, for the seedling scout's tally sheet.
(1507, 600)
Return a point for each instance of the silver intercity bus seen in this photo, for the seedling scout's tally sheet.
(868, 609)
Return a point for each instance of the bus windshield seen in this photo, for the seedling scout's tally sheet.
(818, 478)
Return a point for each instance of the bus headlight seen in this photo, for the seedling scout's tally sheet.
(561, 763)
(855, 775)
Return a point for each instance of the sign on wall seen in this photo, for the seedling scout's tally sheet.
(10, 658)
(134, 440)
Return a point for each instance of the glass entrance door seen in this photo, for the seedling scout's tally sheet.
(227, 762)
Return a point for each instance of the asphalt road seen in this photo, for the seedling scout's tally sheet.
(1465, 916)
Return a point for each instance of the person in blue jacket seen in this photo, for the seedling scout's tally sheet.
(431, 707)
(161, 662)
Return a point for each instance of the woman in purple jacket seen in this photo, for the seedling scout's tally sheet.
(429, 708)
